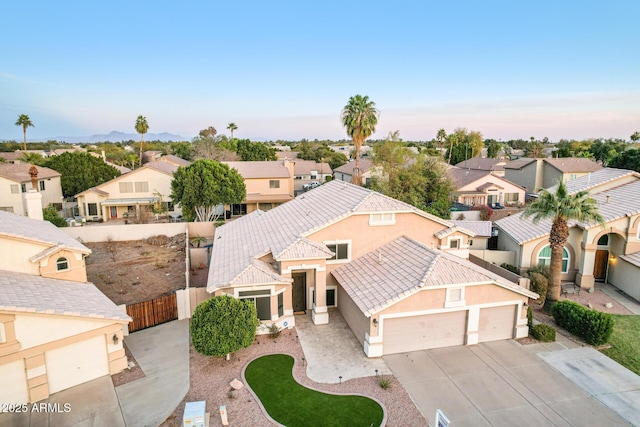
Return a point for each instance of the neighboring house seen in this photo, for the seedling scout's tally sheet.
(56, 330)
(481, 229)
(15, 180)
(12, 156)
(476, 187)
(494, 166)
(345, 172)
(398, 275)
(306, 171)
(533, 174)
(290, 155)
(592, 253)
(151, 156)
(269, 184)
(130, 195)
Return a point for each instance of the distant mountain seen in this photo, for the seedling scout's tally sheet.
(115, 136)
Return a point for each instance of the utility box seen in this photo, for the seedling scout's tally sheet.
(195, 414)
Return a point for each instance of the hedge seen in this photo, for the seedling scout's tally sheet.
(544, 333)
(592, 326)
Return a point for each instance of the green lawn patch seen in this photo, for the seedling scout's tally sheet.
(625, 342)
(294, 405)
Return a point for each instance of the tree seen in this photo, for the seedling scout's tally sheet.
(391, 156)
(80, 171)
(441, 136)
(360, 118)
(203, 185)
(255, 151)
(534, 149)
(232, 126)
(142, 127)
(493, 149)
(629, 159)
(208, 132)
(464, 145)
(561, 207)
(25, 122)
(33, 159)
(635, 137)
(50, 214)
(214, 148)
(184, 150)
(222, 325)
(607, 150)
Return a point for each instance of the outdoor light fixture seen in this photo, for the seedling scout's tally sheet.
(340, 379)
(525, 305)
(375, 322)
(115, 339)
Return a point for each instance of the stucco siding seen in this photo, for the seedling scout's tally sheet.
(624, 275)
(34, 330)
(357, 321)
(17, 259)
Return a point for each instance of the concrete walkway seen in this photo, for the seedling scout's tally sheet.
(332, 350)
(163, 354)
(624, 300)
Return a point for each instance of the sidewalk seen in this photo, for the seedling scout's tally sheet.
(626, 301)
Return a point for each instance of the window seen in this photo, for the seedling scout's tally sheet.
(62, 264)
(382, 219)
(454, 243)
(239, 209)
(274, 183)
(281, 304)
(142, 187)
(544, 258)
(168, 206)
(93, 209)
(331, 297)
(510, 197)
(341, 251)
(23, 187)
(454, 297)
(42, 186)
(262, 301)
(126, 187)
(604, 240)
(15, 189)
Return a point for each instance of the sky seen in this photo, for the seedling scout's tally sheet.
(285, 69)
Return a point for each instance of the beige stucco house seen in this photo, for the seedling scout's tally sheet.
(533, 174)
(15, 180)
(269, 184)
(306, 171)
(487, 164)
(479, 187)
(345, 172)
(592, 253)
(130, 195)
(56, 330)
(398, 275)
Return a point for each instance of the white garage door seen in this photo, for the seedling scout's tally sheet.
(412, 333)
(14, 383)
(76, 363)
(497, 323)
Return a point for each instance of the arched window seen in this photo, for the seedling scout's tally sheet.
(603, 240)
(544, 258)
(62, 264)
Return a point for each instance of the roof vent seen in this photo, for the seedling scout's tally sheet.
(608, 198)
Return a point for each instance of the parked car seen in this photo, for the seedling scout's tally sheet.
(311, 185)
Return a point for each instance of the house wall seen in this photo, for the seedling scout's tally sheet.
(261, 186)
(529, 177)
(52, 192)
(478, 243)
(624, 275)
(530, 250)
(122, 233)
(495, 257)
(507, 187)
(11, 202)
(356, 320)
(17, 259)
(76, 272)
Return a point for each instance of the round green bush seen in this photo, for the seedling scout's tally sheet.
(544, 333)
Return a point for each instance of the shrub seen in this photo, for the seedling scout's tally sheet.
(540, 269)
(274, 331)
(385, 381)
(539, 285)
(222, 325)
(592, 326)
(544, 333)
(511, 268)
(50, 214)
(485, 212)
(529, 317)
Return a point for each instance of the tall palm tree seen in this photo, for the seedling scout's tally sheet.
(561, 207)
(360, 118)
(441, 136)
(25, 122)
(232, 126)
(142, 127)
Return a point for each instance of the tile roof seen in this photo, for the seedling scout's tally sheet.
(519, 163)
(614, 203)
(482, 163)
(633, 258)
(265, 169)
(121, 169)
(386, 275)
(166, 167)
(480, 228)
(449, 231)
(463, 177)
(365, 165)
(304, 249)
(174, 159)
(28, 293)
(591, 181)
(13, 225)
(573, 164)
(19, 172)
(281, 155)
(304, 167)
(237, 243)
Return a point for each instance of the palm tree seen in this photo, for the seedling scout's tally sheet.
(441, 136)
(141, 127)
(635, 137)
(25, 122)
(561, 207)
(453, 140)
(360, 117)
(232, 126)
(32, 159)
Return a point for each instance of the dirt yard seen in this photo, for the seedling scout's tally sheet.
(135, 271)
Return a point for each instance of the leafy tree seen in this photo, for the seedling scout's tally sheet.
(629, 159)
(208, 132)
(222, 325)
(360, 118)
(214, 148)
(606, 150)
(25, 122)
(321, 153)
(635, 137)
(50, 214)
(391, 156)
(203, 185)
(232, 126)
(80, 171)
(561, 207)
(464, 144)
(252, 151)
(184, 150)
(142, 127)
(534, 149)
(493, 149)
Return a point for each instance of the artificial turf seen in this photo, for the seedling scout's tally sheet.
(625, 342)
(293, 405)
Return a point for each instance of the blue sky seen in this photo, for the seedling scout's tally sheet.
(284, 70)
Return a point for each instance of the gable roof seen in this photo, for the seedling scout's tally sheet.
(304, 167)
(29, 293)
(166, 167)
(480, 228)
(464, 177)
(260, 169)
(19, 172)
(519, 163)
(276, 231)
(387, 275)
(174, 159)
(573, 164)
(12, 225)
(347, 168)
(482, 163)
(595, 179)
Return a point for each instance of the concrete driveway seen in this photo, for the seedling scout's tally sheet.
(502, 384)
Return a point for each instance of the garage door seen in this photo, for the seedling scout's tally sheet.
(402, 334)
(497, 323)
(76, 363)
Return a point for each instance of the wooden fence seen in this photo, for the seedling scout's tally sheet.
(152, 312)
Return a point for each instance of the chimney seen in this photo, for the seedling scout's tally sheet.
(33, 171)
(32, 199)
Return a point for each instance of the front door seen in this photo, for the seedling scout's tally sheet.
(299, 292)
(600, 265)
(114, 212)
